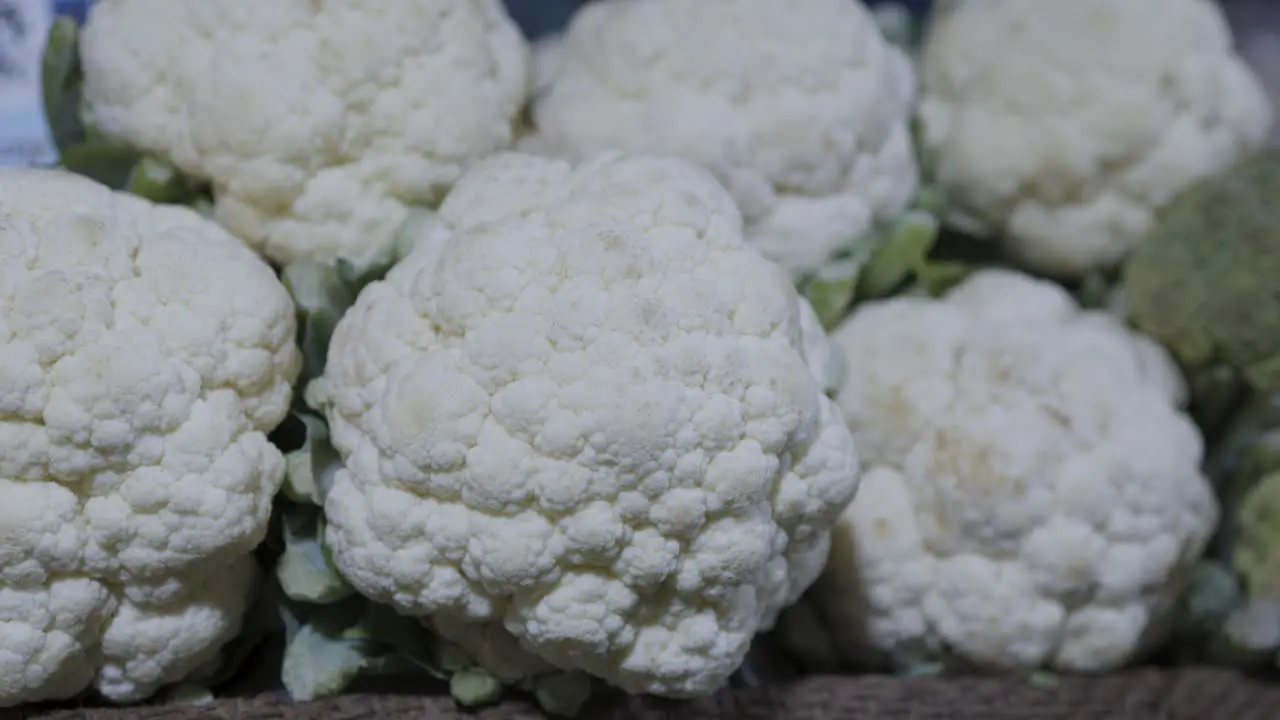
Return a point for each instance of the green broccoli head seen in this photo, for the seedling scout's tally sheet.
(1203, 280)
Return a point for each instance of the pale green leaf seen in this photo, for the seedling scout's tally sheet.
(356, 277)
(158, 181)
(475, 688)
(319, 666)
(188, 694)
(319, 661)
(936, 277)
(304, 569)
(931, 200)
(310, 470)
(316, 287)
(902, 253)
(831, 290)
(563, 694)
(320, 297)
(411, 229)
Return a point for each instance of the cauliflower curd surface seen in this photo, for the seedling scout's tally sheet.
(584, 426)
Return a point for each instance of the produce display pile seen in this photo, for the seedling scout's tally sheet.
(703, 336)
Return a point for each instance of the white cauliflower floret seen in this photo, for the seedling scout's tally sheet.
(317, 124)
(1063, 127)
(1033, 495)
(144, 355)
(799, 108)
(581, 420)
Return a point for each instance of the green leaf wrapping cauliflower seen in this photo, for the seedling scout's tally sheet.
(319, 126)
(584, 427)
(144, 355)
(801, 109)
(1204, 283)
(1062, 127)
(1032, 495)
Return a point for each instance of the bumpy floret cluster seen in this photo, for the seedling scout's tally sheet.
(144, 355)
(581, 426)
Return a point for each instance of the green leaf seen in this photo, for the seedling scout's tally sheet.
(931, 200)
(107, 162)
(321, 660)
(61, 80)
(159, 182)
(188, 694)
(926, 156)
(309, 470)
(939, 276)
(412, 228)
(475, 688)
(317, 331)
(317, 287)
(356, 277)
(563, 694)
(321, 297)
(831, 290)
(305, 571)
(902, 253)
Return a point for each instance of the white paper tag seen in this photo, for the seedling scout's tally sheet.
(24, 136)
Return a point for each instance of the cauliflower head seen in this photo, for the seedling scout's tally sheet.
(583, 426)
(144, 355)
(1066, 149)
(318, 125)
(1232, 613)
(1203, 282)
(1032, 496)
(801, 109)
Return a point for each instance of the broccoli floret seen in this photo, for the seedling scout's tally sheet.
(1204, 283)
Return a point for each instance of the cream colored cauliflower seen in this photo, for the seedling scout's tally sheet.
(144, 355)
(317, 124)
(1033, 495)
(799, 108)
(584, 427)
(1063, 127)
